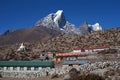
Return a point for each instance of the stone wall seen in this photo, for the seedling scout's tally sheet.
(114, 65)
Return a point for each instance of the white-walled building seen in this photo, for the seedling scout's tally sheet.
(24, 65)
(78, 50)
(100, 48)
(75, 50)
(90, 50)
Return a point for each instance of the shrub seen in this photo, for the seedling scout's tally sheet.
(86, 76)
(90, 77)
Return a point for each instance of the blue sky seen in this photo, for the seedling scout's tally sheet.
(15, 14)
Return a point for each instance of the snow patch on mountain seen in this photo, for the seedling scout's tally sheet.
(58, 21)
(96, 27)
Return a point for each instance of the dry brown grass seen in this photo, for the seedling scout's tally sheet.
(40, 78)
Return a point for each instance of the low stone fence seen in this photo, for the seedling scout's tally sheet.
(115, 65)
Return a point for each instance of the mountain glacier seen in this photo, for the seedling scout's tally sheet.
(54, 20)
(96, 27)
(58, 21)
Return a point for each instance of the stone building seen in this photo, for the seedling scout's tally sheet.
(68, 56)
(74, 63)
(24, 65)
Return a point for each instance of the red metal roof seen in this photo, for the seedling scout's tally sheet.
(101, 47)
(77, 49)
(88, 49)
(69, 54)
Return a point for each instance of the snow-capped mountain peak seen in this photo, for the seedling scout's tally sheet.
(59, 12)
(58, 15)
(58, 21)
(53, 20)
(96, 27)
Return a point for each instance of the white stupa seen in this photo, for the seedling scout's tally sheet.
(22, 47)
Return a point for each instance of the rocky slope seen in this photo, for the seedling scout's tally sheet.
(62, 43)
(27, 35)
(65, 43)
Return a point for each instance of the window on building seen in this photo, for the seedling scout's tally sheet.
(82, 50)
(36, 68)
(7, 68)
(70, 64)
(1, 68)
(28, 68)
(22, 68)
(14, 68)
(43, 54)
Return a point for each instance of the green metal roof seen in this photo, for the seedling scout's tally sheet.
(27, 63)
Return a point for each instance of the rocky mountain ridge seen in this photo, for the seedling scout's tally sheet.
(27, 35)
(60, 44)
(65, 43)
(58, 21)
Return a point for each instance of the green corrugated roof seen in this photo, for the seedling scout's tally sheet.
(27, 63)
